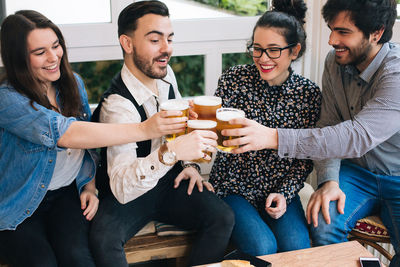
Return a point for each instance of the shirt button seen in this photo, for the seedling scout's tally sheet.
(42, 186)
(28, 212)
(50, 160)
(352, 108)
(142, 177)
(359, 84)
(152, 167)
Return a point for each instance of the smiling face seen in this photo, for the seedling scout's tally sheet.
(274, 71)
(45, 53)
(152, 46)
(351, 46)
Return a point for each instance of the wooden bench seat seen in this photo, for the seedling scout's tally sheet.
(153, 247)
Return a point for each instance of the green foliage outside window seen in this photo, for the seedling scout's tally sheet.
(239, 7)
(229, 60)
(189, 72)
(97, 76)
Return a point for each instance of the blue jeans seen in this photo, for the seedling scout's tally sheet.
(366, 194)
(256, 233)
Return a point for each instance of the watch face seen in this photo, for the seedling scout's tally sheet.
(169, 157)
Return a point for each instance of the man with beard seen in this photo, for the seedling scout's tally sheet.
(147, 181)
(357, 146)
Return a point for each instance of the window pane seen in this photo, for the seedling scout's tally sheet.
(97, 76)
(66, 12)
(189, 72)
(398, 9)
(229, 60)
(188, 9)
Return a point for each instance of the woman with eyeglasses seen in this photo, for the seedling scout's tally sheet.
(262, 188)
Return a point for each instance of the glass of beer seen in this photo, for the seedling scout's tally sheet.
(201, 125)
(206, 106)
(175, 104)
(224, 115)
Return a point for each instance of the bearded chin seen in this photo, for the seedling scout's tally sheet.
(362, 55)
(360, 58)
(147, 69)
(155, 75)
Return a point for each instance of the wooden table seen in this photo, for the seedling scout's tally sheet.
(345, 254)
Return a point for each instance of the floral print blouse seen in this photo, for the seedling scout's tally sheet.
(256, 174)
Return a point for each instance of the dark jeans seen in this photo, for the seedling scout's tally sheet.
(116, 223)
(55, 235)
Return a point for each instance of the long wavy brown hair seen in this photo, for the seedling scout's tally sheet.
(18, 72)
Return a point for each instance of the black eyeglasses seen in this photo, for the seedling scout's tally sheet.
(272, 52)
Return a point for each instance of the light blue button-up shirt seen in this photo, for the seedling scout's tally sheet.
(28, 151)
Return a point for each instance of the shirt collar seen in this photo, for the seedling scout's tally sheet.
(138, 90)
(367, 74)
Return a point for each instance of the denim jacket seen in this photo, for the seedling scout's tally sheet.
(28, 151)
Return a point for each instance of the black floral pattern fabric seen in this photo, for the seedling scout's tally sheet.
(256, 174)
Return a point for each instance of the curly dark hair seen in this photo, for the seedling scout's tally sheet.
(368, 15)
(288, 17)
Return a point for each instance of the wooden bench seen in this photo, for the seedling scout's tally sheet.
(153, 247)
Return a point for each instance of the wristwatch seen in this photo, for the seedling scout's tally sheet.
(166, 156)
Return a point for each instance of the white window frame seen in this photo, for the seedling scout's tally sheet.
(208, 37)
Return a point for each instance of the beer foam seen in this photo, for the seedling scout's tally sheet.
(229, 114)
(174, 104)
(201, 124)
(207, 100)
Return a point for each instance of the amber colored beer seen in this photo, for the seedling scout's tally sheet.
(175, 104)
(201, 125)
(224, 115)
(206, 106)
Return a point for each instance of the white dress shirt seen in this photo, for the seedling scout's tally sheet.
(130, 176)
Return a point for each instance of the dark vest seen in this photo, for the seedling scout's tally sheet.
(144, 147)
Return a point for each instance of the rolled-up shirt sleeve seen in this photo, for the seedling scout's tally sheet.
(130, 176)
(36, 124)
